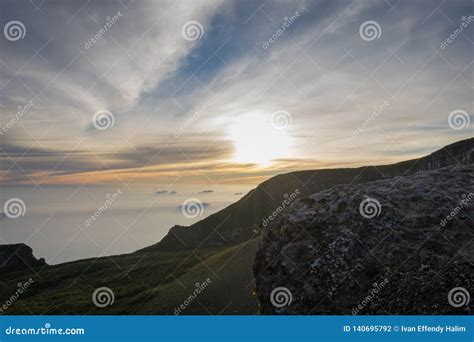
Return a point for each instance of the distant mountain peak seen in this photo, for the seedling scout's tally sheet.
(15, 257)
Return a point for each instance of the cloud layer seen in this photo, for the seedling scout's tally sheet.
(174, 98)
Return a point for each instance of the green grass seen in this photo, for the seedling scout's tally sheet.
(142, 282)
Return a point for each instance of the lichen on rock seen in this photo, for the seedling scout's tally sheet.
(332, 256)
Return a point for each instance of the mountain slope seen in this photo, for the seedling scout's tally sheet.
(142, 283)
(237, 222)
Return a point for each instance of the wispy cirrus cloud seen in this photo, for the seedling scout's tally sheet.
(155, 82)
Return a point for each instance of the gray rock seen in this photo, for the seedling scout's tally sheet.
(404, 260)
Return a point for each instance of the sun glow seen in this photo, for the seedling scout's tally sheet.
(257, 140)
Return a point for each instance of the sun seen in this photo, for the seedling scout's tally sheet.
(257, 140)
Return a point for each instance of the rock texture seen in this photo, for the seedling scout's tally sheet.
(17, 257)
(236, 223)
(402, 257)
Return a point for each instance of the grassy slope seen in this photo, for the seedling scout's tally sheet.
(143, 283)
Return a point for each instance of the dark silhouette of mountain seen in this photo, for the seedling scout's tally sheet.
(393, 246)
(239, 221)
(17, 257)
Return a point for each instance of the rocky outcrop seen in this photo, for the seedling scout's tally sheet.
(17, 257)
(403, 245)
(237, 222)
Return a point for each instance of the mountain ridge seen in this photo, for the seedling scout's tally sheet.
(239, 221)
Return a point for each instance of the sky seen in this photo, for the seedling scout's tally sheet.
(227, 92)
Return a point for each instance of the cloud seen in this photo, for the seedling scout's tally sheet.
(21, 163)
(205, 191)
(156, 83)
(165, 192)
(127, 58)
